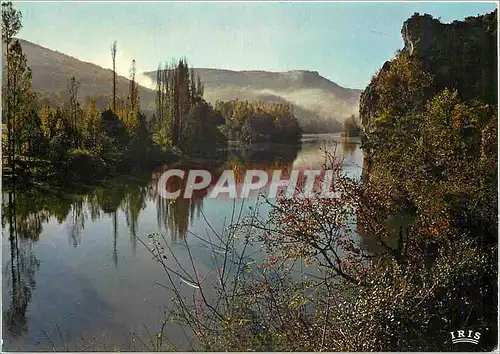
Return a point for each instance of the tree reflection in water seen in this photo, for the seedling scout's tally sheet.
(77, 222)
(24, 228)
(349, 146)
(26, 211)
(175, 215)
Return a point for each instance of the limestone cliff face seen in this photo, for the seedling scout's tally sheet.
(460, 55)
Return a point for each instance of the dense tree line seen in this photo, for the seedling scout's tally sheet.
(38, 136)
(84, 132)
(73, 138)
(256, 122)
(44, 140)
(49, 141)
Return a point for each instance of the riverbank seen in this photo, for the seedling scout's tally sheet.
(81, 167)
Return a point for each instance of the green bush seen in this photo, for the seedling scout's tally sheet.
(84, 165)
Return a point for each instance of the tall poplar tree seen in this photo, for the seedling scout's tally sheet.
(113, 56)
(134, 89)
(73, 108)
(11, 25)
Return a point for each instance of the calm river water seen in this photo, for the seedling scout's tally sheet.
(78, 278)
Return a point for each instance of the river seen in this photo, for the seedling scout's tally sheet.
(75, 276)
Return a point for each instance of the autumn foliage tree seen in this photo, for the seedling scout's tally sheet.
(256, 122)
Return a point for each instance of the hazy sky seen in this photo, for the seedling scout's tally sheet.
(345, 42)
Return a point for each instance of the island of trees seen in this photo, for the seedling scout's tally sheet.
(351, 127)
(250, 123)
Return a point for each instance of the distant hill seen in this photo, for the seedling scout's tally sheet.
(52, 70)
(320, 104)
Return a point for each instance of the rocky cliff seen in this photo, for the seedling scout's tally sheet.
(460, 55)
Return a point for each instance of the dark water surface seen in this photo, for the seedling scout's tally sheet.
(76, 277)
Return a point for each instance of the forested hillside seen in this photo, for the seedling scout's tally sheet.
(51, 70)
